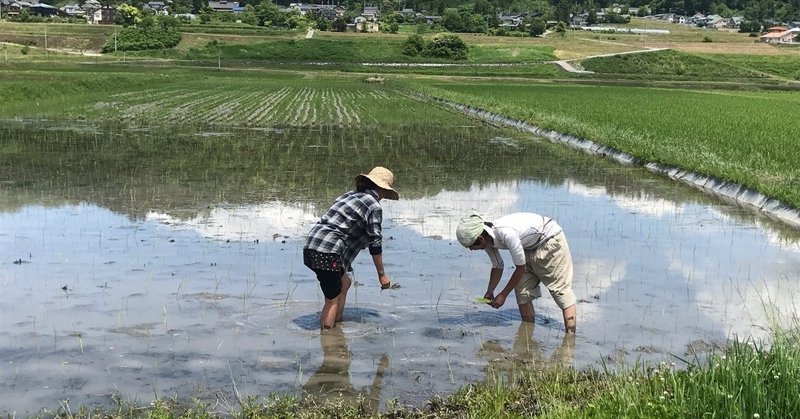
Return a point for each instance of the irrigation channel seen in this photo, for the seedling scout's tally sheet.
(167, 262)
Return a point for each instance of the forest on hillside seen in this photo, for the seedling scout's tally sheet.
(761, 10)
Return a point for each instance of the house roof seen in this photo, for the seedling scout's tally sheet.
(779, 35)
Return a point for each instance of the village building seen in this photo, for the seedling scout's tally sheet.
(780, 35)
(225, 6)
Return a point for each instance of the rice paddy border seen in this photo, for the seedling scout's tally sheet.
(737, 193)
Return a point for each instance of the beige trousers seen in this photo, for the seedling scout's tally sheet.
(550, 264)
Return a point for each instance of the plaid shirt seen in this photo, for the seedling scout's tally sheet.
(352, 223)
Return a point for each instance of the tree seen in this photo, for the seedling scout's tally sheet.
(154, 32)
(750, 26)
(446, 45)
(564, 11)
(127, 15)
(199, 5)
(592, 18)
(414, 45)
(339, 25)
(389, 23)
(451, 20)
(206, 14)
(266, 12)
(180, 6)
(561, 29)
(322, 24)
(537, 26)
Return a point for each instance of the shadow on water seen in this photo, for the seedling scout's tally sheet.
(359, 315)
(501, 317)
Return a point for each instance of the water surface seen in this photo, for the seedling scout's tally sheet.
(169, 263)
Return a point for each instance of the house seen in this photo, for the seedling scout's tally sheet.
(511, 21)
(327, 11)
(223, 6)
(365, 24)
(371, 13)
(408, 13)
(89, 7)
(157, 6)
(43, 9)
(74, 10)
(15, 7)
(697, 18)
(735, 21)
(720, 23)
(430, 20)
(780, 35)
(102, 16)
(579, 20)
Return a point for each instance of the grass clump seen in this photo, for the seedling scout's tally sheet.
(747, 379)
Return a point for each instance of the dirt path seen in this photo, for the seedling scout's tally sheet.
(570, 67)
(88, 53)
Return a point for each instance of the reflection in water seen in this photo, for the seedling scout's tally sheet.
(161, 262)
(526, 354)
(332, 378)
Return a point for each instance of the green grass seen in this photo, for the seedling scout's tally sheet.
(748, 138)
(56, 35)
(519, 53)
(668, 65)
(785, 66)
(365, 49)
(746, 380)
(682, 33)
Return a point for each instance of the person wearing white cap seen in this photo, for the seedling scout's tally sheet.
(540, 253)
(353, 222)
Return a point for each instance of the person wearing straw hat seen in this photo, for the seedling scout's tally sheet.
(352, 223)
(540, 253)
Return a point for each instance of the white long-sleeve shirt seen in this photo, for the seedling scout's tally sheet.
(519, 232)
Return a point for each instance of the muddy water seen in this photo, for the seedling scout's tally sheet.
(144, 263)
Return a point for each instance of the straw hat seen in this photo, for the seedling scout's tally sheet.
(382, 178)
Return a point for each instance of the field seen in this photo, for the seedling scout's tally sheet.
(237, 116)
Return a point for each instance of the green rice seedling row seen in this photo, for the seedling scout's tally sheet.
(744, 137)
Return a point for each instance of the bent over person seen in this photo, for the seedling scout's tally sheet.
(540, 253)
(352, 223)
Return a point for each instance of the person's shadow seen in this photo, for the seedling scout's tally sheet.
(332, 378)
(526, 354)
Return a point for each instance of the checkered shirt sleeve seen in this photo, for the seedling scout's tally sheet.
(352, 223)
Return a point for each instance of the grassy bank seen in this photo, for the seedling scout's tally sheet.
(745, 137)
(746, 380)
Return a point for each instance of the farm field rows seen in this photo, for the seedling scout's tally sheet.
(236, 98)
(746, 137)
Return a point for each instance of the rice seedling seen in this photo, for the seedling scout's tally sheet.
(714, 133)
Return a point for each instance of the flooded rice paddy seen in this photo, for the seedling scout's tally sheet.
(143, 263)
